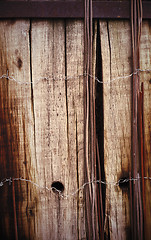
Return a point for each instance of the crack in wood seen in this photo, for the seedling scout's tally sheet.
(32, 90)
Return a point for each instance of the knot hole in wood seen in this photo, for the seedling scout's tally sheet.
(57, 187)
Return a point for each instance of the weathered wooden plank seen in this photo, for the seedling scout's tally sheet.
(116, 62)
(48, 100)
(58, 114)
(145, 63)
(75, 119)
(16, 128)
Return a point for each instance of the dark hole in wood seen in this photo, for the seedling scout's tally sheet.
(57, 187)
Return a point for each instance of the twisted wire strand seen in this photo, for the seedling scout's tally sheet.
(65, 78)
(72, 194)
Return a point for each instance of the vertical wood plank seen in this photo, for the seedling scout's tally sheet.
(48, 60)
(116, 62)
(16, 128)
(75, 121)
(145, 63)
(58, 114)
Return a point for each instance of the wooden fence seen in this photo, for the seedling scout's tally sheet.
(42, 128)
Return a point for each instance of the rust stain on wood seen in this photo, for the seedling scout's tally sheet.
(19, 63)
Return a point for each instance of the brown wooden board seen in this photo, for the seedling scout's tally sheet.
(145, 63)
(116, 62)
(17, 154)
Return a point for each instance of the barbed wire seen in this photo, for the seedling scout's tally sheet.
(72, 194)
(67, 78)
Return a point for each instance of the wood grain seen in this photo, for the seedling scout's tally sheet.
(42, 128)
(59, 125)
(75, 121)
(145, 63)
(116, 62)
(16, 128)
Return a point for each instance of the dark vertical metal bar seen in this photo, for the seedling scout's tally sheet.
(134, 115)
(86, 118)
(136, 22)
(90, 131)
(92, 113)
(131, 205)
(143, 150)
(141, 120)
(140, 233)
(141, 198)
(131, 172)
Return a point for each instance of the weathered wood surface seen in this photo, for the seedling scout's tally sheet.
(145, 63)
(59, 123)
(116, 61)
(16, 123)
(42, 128)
